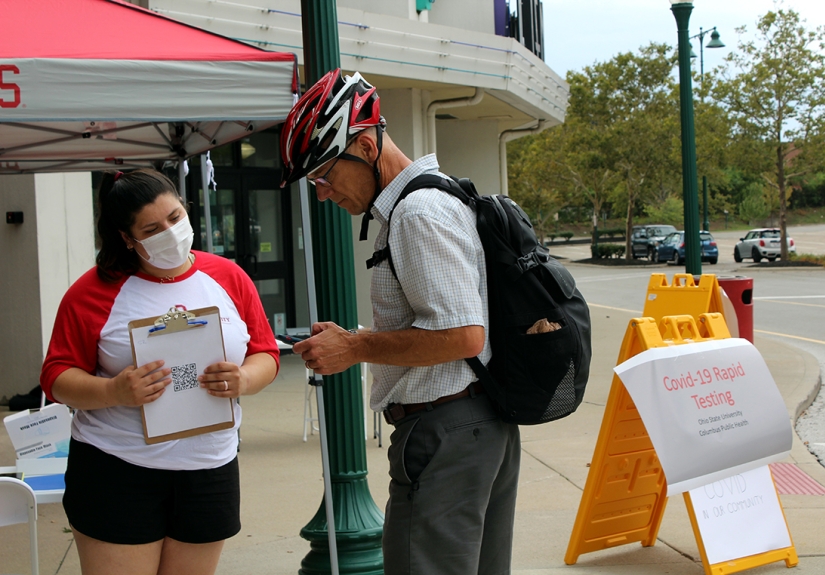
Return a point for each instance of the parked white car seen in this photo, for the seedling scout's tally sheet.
(761, 243)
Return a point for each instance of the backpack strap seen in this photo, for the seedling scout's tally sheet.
(486, 379)
(515, 266)
(502, 213)
(463, 189)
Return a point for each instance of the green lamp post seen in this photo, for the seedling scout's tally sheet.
(690, 189)
(705, 220)
(715, 42)
(358, 520)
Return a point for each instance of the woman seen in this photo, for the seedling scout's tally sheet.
(136, 508)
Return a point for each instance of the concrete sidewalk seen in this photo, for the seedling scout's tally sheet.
(282, 486)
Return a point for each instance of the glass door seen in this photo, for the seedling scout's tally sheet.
(267, 213)
(256, 224)
(222, 214)
(251, 221)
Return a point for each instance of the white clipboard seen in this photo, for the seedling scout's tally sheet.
(187, 341)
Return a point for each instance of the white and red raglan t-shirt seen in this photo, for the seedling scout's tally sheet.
(91, 333)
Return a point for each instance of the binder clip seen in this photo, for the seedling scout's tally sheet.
(175, 320)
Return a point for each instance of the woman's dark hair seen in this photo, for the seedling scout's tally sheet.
(120, 197)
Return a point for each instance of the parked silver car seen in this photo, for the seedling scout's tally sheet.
(761, 243)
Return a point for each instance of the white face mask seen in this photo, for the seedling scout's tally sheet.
(170, 248)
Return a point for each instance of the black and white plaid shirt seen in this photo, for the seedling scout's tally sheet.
(442, 284)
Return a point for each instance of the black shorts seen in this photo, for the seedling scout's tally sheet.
(114, 501)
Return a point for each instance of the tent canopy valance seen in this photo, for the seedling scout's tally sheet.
(104, 83)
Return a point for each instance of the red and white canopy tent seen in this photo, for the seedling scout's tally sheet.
(96, 84)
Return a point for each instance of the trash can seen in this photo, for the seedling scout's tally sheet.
(739, 290)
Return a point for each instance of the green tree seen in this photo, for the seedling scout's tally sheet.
(588, 163)
(716, 149)
(533, 180)
(622, 114)
(671, 211)
(645, 126)
(560, 167)
(776, 99)
(754, 206)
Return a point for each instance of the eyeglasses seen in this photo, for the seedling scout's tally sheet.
(322, 180)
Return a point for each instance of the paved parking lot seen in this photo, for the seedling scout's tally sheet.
(808, 239)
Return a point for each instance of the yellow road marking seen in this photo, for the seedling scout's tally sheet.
(633, 311)
(790, 297)
(639, 313)
(790, 336)
(793, 303)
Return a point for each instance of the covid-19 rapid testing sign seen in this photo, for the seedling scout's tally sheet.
(711, 408)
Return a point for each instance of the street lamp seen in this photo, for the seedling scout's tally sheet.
(690, 190)
(594, 249)
(705, 221)
(715, 42)
(352, 540)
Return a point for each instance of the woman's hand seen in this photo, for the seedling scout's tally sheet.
(224, 379)
(136, 387)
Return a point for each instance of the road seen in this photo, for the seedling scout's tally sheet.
(789, 303)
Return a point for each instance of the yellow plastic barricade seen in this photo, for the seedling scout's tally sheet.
(625, 494)
(683, 297)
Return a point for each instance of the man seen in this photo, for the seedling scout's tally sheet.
(453, 462)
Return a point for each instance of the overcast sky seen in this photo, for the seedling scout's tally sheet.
(578, 33)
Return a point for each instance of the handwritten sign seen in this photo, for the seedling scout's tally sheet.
(740, 516)
(711, 408)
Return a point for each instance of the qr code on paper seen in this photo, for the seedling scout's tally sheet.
(184, 377)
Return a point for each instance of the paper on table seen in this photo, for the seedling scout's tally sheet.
(40, 433)
(184, 405)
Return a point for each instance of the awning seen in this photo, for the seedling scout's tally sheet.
(94, 84)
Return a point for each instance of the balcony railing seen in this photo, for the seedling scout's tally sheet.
(386, 45)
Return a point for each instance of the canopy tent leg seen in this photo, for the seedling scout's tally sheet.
(207, 209)
(315, 379)
(182, 179)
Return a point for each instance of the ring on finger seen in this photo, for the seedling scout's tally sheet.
(225, 386)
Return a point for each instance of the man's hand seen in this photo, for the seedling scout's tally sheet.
(330, 349)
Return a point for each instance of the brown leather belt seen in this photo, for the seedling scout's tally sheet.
(397, 411)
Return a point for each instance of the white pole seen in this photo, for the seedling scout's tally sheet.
(182, 179)
(317, 380)
(207, 209)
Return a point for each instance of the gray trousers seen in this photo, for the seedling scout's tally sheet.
(454, 475)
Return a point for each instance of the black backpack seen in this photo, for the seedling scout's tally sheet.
(531, 378)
